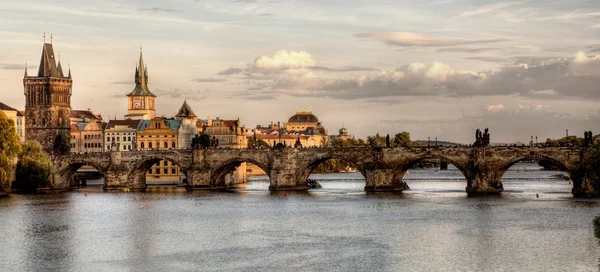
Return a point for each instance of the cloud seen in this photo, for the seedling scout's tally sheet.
(468, 50)
(297, 74)
(15, 66)
(491, 59)
(181, 93)
(495, 107)
(155, 9)
(266, 14)
(407, 39)
(230, 71)
(487, 9)
(127, 82)
(209, 80)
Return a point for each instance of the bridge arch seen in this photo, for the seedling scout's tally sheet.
(502, 168)
(311, 165)
(219, 174)
(64, 176)
(400, 169)
(136, 178)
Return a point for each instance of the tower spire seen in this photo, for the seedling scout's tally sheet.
(25, 69)
(69, 76)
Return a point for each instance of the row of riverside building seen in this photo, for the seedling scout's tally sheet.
(49, 119)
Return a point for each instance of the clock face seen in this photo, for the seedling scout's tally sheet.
(137, 104)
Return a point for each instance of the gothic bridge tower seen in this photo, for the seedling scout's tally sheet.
(48, 104)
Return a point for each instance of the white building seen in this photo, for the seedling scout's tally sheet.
(120, 135)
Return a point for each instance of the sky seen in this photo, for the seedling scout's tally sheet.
(439, 68)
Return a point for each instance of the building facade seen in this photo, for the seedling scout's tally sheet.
(141, 102)
(159, 134)
(87, 137)
(17, 118)
(189, 125)
(48, 103)
(229, 133)
(120, 135)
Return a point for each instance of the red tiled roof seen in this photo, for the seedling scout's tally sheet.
(74, 127)
(85, 114)
(283, 136)
(6, 107)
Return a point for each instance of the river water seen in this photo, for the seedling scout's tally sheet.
(432, 227)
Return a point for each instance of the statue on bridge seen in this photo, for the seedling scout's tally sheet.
(482, 139)
(298, 144)
(588, 139)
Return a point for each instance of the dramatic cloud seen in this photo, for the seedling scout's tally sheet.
(296, 74)
(209, 80)
(415, 39)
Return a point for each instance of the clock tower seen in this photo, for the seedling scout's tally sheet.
(140, 102)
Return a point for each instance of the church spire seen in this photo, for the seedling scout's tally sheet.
(69, 76)
(25, 69)
(141, 79)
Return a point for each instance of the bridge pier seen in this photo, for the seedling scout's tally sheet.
(485, 180)
(585, 187)
(285, 180)
(383, 180)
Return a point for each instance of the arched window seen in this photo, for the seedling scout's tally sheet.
(173, 144)
(166, 145)
(149, 144)
(142, 145)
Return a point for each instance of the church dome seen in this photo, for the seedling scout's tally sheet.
(303, 117)
(343, 131)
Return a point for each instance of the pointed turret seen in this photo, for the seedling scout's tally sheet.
(25, 70)
(48, 63)
(59, 69)
(69, 76)
(141, 80)
(185, 111)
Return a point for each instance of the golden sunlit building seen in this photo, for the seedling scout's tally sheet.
(160, 134)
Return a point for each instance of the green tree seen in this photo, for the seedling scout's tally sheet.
(9, 150)
(402, 139)
(33, 169)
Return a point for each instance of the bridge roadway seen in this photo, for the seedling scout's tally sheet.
(289, 168)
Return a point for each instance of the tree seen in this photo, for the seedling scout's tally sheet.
(257, 143)
(402, 139)
(33, 169)
(9, 150)
(204, 140)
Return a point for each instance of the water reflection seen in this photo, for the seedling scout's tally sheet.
(48, 233)
(434, 226)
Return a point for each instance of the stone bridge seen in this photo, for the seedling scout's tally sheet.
(289, 168)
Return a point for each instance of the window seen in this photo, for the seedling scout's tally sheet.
(173, 145)
(142, 145)
(165, 171)
(129, 139)
(173, 171)
(118, 139)
(166, 145)
(108, 139)
(164, 163)
(150, 145)
(113, 138)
